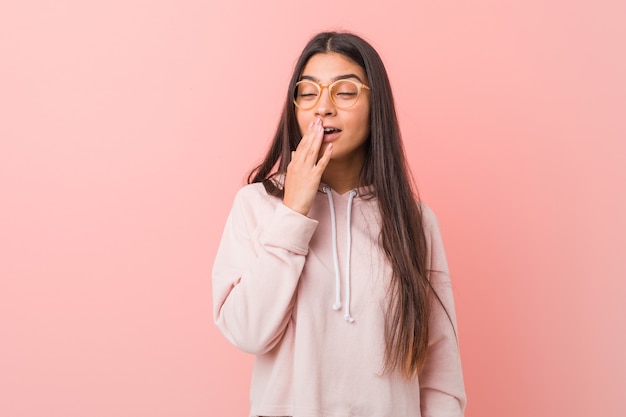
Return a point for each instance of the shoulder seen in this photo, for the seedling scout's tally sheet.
(253, 201)
(427, 212)
(434, 243)
(251, 192)
(254, 194)
(429, 219)
(251, 206)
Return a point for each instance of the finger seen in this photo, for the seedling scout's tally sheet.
(308, 134)
(308, 148)
(325, 159)
(304, 144)
(316, 141)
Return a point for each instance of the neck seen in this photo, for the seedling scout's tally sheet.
(343, 175)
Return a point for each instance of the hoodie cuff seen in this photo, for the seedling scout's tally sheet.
(289, 230)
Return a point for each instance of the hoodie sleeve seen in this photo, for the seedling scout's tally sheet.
(257, 268)
(442, 391)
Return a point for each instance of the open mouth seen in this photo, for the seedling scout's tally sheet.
(331, 130)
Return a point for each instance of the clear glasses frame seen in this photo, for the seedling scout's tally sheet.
(320, 87)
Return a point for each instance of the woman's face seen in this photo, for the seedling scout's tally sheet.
(347, 129)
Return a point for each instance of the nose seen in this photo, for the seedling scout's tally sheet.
(325, 105)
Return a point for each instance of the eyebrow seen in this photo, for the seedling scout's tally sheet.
(337, 78)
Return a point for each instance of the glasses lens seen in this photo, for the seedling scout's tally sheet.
(345, 93)
(307, 93)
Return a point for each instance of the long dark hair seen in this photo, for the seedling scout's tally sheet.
(402, 234)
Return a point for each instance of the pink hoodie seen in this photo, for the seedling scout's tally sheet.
(306, 295)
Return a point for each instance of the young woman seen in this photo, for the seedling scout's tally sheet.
(329, 269)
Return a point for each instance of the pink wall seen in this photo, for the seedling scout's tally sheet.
(127, 126)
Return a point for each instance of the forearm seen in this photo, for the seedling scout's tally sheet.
(255, 279)
(442, 388)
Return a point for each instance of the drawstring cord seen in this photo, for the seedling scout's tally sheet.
(333, 222)
(333, 226)
(347, 315)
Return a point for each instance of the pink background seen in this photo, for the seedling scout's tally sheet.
(127, 126)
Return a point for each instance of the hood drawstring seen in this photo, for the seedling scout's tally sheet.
(347, 316)
(333, 226)
(333, 223)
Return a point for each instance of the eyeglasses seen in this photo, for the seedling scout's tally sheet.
(343, 93)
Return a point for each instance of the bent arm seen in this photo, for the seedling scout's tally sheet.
(442, 391)
(256, 271)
